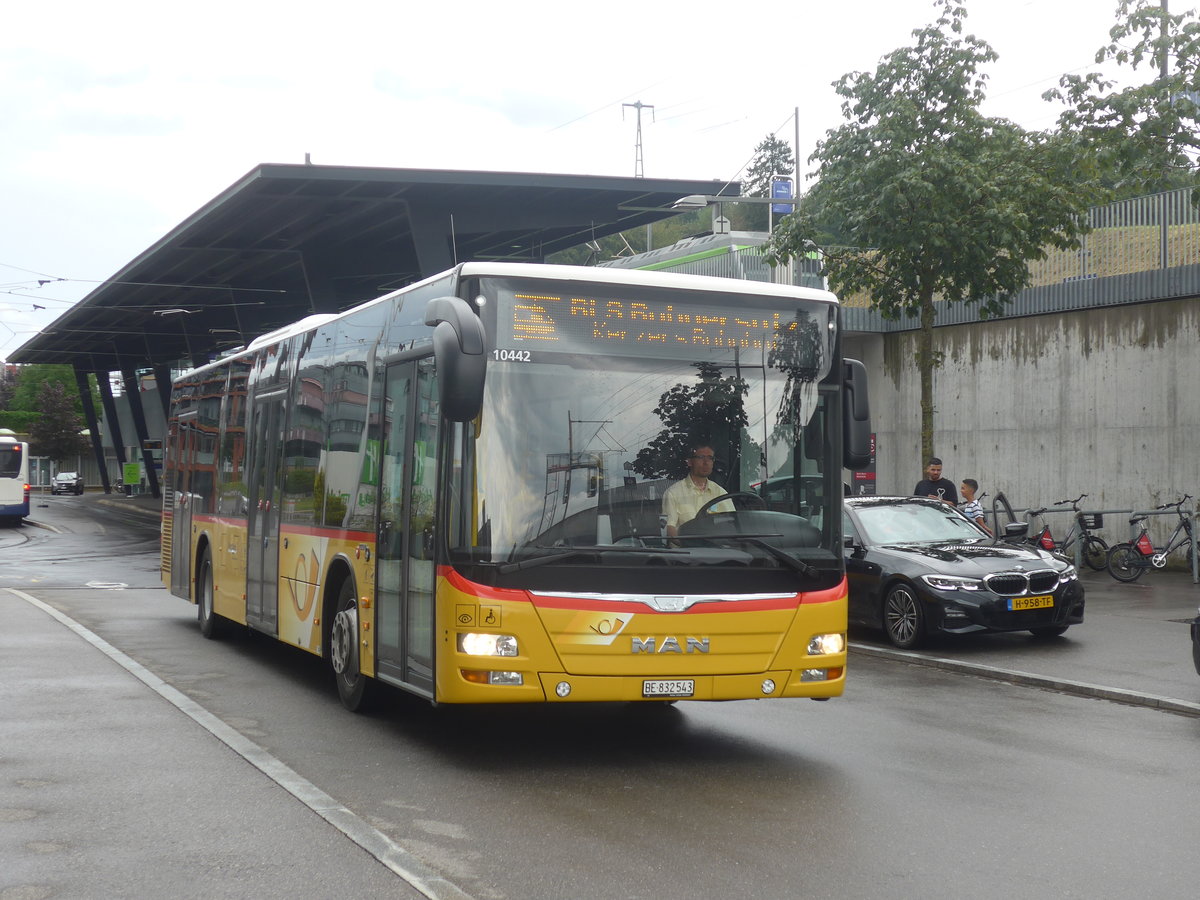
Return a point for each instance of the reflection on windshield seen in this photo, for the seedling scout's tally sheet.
(906, 523)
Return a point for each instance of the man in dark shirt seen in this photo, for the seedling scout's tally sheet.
(934, 485)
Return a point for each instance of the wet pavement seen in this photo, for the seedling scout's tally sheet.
(107, 791)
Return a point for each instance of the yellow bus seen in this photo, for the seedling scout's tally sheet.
(457, 489)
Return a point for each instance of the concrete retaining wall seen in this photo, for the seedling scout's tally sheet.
(1104, 402)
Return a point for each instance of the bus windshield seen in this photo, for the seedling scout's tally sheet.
(596, 396)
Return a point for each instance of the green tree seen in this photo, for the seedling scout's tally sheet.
(1142, 138)
(772, 157)
(32, 378)
(712, 410)
(923, 201)
(56, 434)
(8, 387)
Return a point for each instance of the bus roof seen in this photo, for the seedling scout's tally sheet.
(580, 274)
(607, 275)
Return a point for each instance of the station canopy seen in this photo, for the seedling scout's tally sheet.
(286, 241)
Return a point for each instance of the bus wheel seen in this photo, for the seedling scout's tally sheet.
(343, 651)
(210, 622)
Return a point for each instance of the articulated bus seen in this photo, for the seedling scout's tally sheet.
(14, 480)
(456, 489)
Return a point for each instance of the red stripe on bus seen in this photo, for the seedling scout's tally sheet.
(484, 592)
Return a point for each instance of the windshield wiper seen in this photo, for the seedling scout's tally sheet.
(577, 552)
(756, 540)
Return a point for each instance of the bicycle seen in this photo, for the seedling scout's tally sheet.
(1127, 561)
(1095, 549)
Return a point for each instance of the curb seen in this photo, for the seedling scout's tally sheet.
(130, 507)
(1028, 679)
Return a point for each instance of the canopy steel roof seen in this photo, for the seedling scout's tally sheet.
(286, 241)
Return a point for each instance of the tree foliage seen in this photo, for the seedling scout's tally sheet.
(711, 410)
(31, 379)
(923, 201)
(772, 158)
(1143, 138)
(8, 387)
(57, 433)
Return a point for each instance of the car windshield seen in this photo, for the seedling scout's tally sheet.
(912, 522)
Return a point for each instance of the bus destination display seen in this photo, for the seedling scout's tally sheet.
(567, 322)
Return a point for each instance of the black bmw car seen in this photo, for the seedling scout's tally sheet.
(919, 567)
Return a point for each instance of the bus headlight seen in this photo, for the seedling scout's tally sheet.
(826, 644)
(474, 644)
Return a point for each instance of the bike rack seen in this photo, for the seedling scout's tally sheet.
(1084, 512)
(1195, 554)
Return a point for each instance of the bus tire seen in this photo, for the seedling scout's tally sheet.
(210, 622)
(352, 685)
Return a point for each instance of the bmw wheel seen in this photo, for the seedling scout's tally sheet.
(903, 617)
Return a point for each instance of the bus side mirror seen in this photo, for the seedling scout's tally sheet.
(856, 416)
(458, 352)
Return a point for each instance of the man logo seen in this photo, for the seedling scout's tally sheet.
(669, 645)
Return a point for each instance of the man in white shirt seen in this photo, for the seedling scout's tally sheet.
(683, 499)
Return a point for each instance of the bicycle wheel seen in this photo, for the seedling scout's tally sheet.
(1125, 563)
(1095, 553)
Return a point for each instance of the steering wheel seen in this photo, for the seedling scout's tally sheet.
(758, 501)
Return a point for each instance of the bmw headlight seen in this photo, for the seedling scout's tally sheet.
(1070, 573)
(952, 582)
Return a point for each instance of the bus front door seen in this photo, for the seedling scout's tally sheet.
(262, 532)
(404, 572)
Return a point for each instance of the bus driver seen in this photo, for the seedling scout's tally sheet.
(684, 498)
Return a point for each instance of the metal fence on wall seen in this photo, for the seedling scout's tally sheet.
(1137, 250)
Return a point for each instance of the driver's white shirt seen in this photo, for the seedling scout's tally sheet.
(683, 500)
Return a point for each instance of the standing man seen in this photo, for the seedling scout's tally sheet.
(683, 499)
(934, 485)
(970, 506)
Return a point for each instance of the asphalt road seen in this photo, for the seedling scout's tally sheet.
(936, 775)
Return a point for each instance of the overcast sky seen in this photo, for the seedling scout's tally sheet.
(118, 120)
